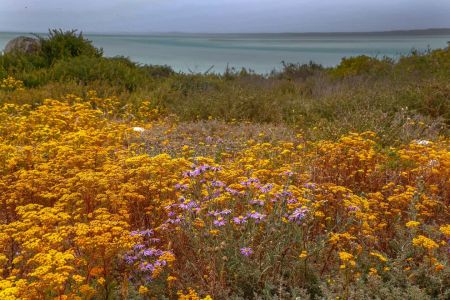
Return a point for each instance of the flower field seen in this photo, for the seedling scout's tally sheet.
(94, 206)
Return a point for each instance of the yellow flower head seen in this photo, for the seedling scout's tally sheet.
(304, 254)
(412, 224)
(424, 242)
(379, 256)
(143, 290)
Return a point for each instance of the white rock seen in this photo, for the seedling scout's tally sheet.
(138, 129)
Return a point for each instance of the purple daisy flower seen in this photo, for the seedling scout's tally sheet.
(258, 217)
(180, 186)
(352, 208)
(147, 232)
(130, 259)
(232, 191)
(217, 183)
(138, 247)
(240, 220)
(266, 188)
(219, 222)
(298, 215)
(148, 252)
(144, 267)
(257, 202)
(225, 212)
(249, 182)
(246, 251)
(310, 185)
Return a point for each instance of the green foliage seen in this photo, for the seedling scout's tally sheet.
(156, 71)
(296, 71)
(362, 65)
(66, 44)
(18, 63)
(118, 72)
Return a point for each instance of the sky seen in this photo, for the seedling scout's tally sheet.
(222, 16)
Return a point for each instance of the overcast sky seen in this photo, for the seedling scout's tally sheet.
(222, 15)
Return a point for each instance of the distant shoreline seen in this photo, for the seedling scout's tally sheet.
(412, 32)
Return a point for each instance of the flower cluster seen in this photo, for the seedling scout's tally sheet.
(10, 83)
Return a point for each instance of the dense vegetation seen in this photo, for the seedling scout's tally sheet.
(362, 93)
(141, 183)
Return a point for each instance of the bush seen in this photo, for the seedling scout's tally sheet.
(296, 71)
(362, 65)
(119, 72)
(66, 44)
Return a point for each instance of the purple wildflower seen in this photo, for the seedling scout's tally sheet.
(200, 170)
(180, 186)
(240, 220)
(246, 251)
(266, 188)
(298, 215)
(292, 200)
(288, 173)
(177, 220)
(148, 252)
(310, 185)
(352, 208)
(188, 205)
(225, 212)
(160, 263)
(232, 191)
(258, 217)
(217, 183)
(256, 201)
(219, 222)
(249, 181)
(129, 259)
(147, 232)
(214, 213)
(214, 195)
(138, 247)
(144, 267)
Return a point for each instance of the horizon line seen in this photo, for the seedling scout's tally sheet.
(445, 30)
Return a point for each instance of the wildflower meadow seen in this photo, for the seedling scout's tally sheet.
(104, 200)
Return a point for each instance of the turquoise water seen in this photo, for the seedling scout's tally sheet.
(259, 52)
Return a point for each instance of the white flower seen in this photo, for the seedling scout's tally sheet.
(138, 129)
(433, 163)
(423, 142)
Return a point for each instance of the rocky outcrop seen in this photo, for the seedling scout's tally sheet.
(22, 44)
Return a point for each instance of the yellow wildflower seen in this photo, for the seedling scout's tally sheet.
(412, 224)
(424, 242)
(379, 256)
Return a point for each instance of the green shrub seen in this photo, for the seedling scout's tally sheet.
(66, 44)
(119, 72)
(362, 65)
(436, 62)
(297, 70)
(158, 71)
